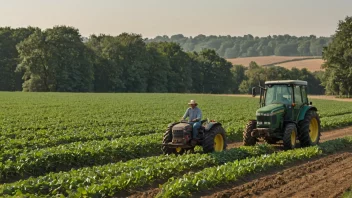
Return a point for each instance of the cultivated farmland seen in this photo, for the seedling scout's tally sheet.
(310, 62)
(109, 145)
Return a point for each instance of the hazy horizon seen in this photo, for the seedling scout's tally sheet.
(190, 18)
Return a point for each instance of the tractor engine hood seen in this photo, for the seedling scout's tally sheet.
(268, 116)
(270, 109)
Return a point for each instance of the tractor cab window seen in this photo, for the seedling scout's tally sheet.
(278, 94)
(298, 95)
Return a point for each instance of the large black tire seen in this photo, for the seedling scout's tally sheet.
(309, 129)
(166, 139)
(248, 140)
(214, 140)
(290, 136)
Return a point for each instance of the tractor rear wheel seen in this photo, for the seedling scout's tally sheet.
(168, 138)
(309, 129)
(214, 140)
(290, 136)
(248, 140)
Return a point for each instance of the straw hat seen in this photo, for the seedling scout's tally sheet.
(192, 102)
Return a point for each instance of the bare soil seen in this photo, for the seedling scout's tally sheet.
(264, 60)
(311, 64)
(329, 176)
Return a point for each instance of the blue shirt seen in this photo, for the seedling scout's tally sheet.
(195, 113)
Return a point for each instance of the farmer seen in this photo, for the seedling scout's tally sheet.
(195, 116)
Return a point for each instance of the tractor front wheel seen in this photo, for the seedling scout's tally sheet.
(214, 140)
(248, 139)
(290, 136)
(309, 133)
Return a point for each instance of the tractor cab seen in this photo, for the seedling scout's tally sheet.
(283, 105)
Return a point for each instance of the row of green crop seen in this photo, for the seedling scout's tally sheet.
(334, 122)
(55, 138)
(230, 172)
(75, 155)
(118, 177)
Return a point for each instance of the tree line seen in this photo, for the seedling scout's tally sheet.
(250, 46)
(59, 59)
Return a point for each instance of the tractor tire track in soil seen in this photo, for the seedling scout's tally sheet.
(329, 176)
(327, 135)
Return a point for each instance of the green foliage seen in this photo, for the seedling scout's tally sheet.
(256, 74)
(10, 80)
(77, 154)
(248, 46)
(111, 179)
(55, 60)
(59, 59)
(230, 172)
(338, 56)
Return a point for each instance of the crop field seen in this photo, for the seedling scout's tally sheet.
(300, 62)
(311, 64)
(109, 145)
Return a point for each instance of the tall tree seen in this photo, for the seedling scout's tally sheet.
(338, 57)
(56, 60)
(10, 79)
(217, 73)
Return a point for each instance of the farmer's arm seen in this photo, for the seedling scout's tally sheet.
(199, 115)
(186, 114)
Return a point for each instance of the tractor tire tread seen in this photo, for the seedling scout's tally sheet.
(248, 140)
(287, 136)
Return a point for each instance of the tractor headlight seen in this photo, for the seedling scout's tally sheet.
(267, 123)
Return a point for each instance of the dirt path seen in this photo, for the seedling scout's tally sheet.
(329, 176)
(325, 136)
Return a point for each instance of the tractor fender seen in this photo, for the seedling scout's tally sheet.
(172, 124)
(210, 125)
(304, 110)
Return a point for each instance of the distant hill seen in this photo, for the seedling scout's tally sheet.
(310, 62)
(250, 46)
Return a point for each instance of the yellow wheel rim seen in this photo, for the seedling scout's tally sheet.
(313, 129)
(293, 138)
(218, 143)
(178, 149)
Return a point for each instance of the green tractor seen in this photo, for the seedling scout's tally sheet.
(284, 114)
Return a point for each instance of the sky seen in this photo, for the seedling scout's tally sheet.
(188, 17)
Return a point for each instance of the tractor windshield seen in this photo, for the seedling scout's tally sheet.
(278, 94)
